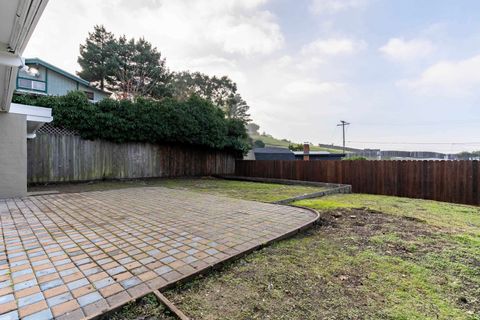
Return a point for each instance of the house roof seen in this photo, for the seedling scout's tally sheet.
(56, 69)
(278, 150)
(311, 153)
(66, 74)
(271, 150)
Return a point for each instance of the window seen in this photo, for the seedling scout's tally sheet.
(31, 84)
(37, 85)
(90, 95)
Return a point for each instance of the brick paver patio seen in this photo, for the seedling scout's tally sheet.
(75, 256)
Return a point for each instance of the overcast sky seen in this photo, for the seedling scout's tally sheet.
(400, 71)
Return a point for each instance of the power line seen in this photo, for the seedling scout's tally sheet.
(436, 143)
(343, 124)
(419, 124)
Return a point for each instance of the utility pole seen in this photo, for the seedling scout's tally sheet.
(343, 124)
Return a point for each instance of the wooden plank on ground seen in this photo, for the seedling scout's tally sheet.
(180, 315)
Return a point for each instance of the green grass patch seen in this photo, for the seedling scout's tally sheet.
(265, 192)
(439, 214)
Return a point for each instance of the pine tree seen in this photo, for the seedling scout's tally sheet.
(139, 70)
(237, 108)
(97, 57)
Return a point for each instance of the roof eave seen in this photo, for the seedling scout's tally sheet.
(50, 66)
(27, 14)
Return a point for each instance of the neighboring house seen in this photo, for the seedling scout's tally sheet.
(44, 78)
(377, 154)
(318, 155)
(274, 153)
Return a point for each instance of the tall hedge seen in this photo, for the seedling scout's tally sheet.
(194, 122)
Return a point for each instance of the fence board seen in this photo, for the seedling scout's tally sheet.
(61, 158)
(451, 181)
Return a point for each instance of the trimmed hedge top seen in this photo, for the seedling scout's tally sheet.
(195, 121)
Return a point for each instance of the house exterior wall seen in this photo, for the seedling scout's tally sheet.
(315, 157)
(274, 156)
(42, 73)
(55, 83)
(42, 76)
(13, 155)
(100, 95)
(59, 85)
(82, 87)
(97, 94)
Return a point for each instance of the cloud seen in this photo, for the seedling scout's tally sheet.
(215, 65)
(335, 6)
(333, 47)
(310, 87)
(247, 35)
(407, 50)
(181, 29)
(448, 78)
(233, 26)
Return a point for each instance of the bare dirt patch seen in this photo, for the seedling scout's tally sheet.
(397, 236)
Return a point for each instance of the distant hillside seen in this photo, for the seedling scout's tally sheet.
(333, 147)
(273, 142)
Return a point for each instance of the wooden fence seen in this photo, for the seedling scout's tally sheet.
(64, 158)
(451, 181)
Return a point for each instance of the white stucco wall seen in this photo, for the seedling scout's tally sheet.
(13, 155)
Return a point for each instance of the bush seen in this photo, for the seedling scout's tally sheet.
(295, 147)
(355, 158)
(259, 144)
(194, 122)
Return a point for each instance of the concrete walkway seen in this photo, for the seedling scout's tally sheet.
(75, 256)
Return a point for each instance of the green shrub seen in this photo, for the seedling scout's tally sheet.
(355, 158)
(194, 121)
(259, 144)
(295, 147)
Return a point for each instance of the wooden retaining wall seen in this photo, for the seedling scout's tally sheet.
(450, 181)
(67, 158)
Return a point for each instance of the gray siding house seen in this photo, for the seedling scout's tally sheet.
(273, 153)
(50, 80)
(276, 153)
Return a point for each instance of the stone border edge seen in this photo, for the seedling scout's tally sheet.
(334, 188)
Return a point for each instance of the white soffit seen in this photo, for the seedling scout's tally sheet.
(33, 113)
(36, 116)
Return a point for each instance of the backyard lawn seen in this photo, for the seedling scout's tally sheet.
(371, 257)
(265, 192)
